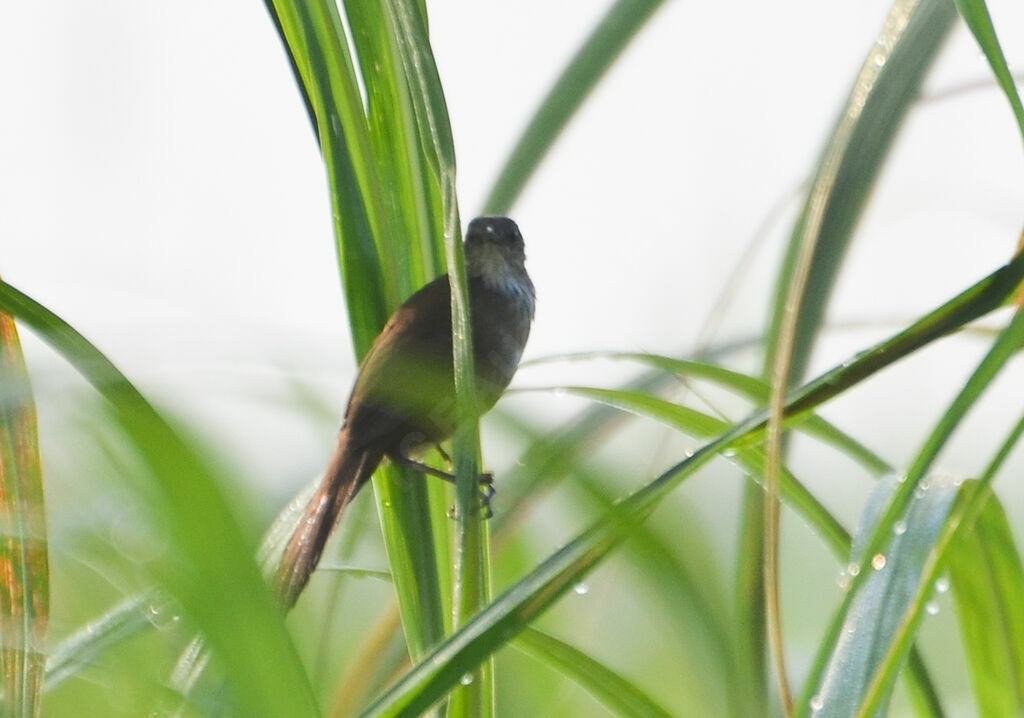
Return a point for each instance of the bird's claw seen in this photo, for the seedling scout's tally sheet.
(485, 482)
(487, 492)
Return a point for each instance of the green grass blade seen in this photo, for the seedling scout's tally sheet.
(320, 51)
(618, 694)
(669, 562)
(380, 261)
(293, 64)
(25, 579)
(882, 94)
(757, 391)
(394, 135)
(873, 617)
(975, 14)
(513, 610)
(1009, 341)
(471, 580)
(128, 619)
(615, 31)
(221, 590)
(751, 459)
(988, 586)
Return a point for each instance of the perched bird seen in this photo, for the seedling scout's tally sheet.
(404, 396)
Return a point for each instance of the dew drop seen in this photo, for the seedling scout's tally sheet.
(844, 581)
(466, 679)
(581, 589)
(900, 527)
(901, 478)
(878, 561)
(689, 453)
(919, 492)
(853, 569)
(941, 584)
(729, 453)
(817, 703)
(386, 503)
(932, 608)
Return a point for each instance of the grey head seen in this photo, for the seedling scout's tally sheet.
(495, 253)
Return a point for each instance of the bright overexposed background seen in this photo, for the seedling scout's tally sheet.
(160, 189)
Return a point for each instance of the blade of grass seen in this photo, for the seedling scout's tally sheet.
(25, 579)
(516, 607)
(127, 619)
(311, 32)
(975, 14)
(471, 581)
(757, 391)
(704, 426)
(620, 695)
(873, 618)
(988, 586)
(221, 590)
(883, 92)
(1003, 348)
(974, 497)
(601, 49)
(375, 262)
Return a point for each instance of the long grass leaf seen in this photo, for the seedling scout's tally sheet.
(221, 589)
(130, 618)
(1009, 341)
(874, 615)
(24, 578)
(604, 45)
(757, 391)
(975, 14)
(882, 93)
(988, 586)
(618, 694)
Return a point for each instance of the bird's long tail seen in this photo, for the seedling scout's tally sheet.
(346, 473)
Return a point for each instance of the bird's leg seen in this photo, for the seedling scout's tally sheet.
(486, 481)
(444, 455)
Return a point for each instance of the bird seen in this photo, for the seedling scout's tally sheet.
(404, 393)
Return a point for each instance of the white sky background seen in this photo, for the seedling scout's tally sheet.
(161, 190)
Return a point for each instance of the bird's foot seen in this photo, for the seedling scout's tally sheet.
(487, 492)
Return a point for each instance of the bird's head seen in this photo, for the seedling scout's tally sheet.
(495, 253)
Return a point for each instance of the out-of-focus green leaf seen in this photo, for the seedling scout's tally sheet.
(1007, 344)
(620, 695)
(751, 459)
(669, 560)
(615, 31)
(24, 572)
(988, 585)
(220, 590)
(975, 14)
(848, 167)
(757, 391)
(129, 618)
(883, 92)
(870, 623)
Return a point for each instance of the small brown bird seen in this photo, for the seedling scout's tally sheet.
(404, 395)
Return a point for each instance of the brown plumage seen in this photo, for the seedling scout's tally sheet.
(404, 395)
